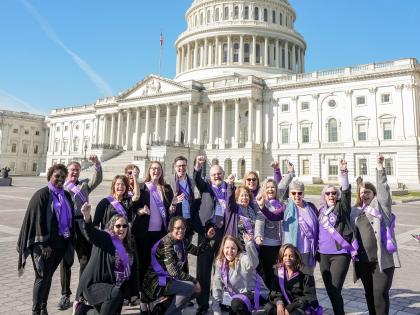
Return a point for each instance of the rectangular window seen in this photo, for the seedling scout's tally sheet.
(56, 145)
(304, 106)
(284, 107)
(65, 144)
(58, 129)
(25, 148)
(363, 167)
(36, 149)
(26, 132)
(14, 147)
(284, 135)
(54, 161)
(361, 132)
(15, 130)
(360, 100)
(284, 166)
(246, 13)
(387, 128)
(385, 98)
(66, 128)
(305, 167)
(389, 166)
(332, 167)
(34, 167)
(305, 134)
(37, 133)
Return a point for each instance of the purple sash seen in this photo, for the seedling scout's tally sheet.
(122, 269)
(305, 228)
(117, 205)
(76, 191)
(158, 201)
(220, 193)
(246, 222)
(387, 232)
(224, 273)
(281, 275)
(130, 194)
(273, 210)
(62, 210)
(325, 222)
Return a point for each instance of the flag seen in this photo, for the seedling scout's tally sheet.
(161, 39)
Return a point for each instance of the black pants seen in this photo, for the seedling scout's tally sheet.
(238, 307)
(271, 309)
(268, 258)
(377, 285)
(205, 267)
(107, 299)
(83, 249)
(44, 271)
(334, 270)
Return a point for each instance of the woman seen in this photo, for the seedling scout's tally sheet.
(236, 281)
(47, 233)
(168, 276)
(268, 234)
(300, 226)
(119, 202)
(251, 180)
(293, 292)
(374, 226)
(157, 203)
(106, 276)
(336, 238)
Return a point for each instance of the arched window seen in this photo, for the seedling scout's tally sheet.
(195, 20)
(236, 52)
(332, 130)
(208, 16)
(246, 13)
(225, 53)
(241, 168)
(273, 17)
(216, 15)
(257, 53)
(201, 18)
(265, 15)
(256, 13)
(281, 19)
(246, 53)
(214, 162)
(76, 142)
(236, 13)
(226, 13)
(228, 166)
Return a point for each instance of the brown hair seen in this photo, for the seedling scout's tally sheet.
(75, 163)
(241, 188)
(130, 167)
(125, 181)
(366, 185)
(297, 263)
(264, 187)
(221, 256)
(256, 176)
(148, 178)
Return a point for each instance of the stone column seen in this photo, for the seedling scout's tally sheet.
(211, 125)
(206, 50)
(250, 121)
(216, 52)
(137, 128)
(277, 54)
(223, 144)
(178, 63)
(118, 128)
(236, 143)
(294, 58)
(258, 123)
(168, 122)
(229, 50)
(317, 122)
(195, 54)
(51, 137)
(157, 124)
(178, 124)
(182, 67)
(375, 123)
(275, 142)
(303, 60)
(128, 135)
(253, 54)
(267, 122)
(299, 61)
(241, 49)
(188, 63)
(280, 54)
(112, 131)
(199, 121)
(286, 55)
(147, 126)
(190, 114)
(96, 133)
(266, 61)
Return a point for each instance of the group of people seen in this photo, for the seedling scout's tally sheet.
(257, 242)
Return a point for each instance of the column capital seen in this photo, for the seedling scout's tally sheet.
(373, 90)
(315, 96)
(348, 93)
(295, 98)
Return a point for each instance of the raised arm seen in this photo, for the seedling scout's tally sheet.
(97, 237)
(200, 183)
(345, 202)
(276, 171)
(97, 173)
(382, 187)
(231, 206)
(286, 180)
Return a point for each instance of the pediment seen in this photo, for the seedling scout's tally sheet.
(152, 86)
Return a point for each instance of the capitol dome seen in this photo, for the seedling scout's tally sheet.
(243, 37)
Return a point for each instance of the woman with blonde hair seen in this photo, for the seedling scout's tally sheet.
(237, 284)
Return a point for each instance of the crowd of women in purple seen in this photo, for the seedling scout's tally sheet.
(258, 242)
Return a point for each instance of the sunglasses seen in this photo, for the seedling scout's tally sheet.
(251, 179)
(294, 193)
(119, 226)
(330, 193)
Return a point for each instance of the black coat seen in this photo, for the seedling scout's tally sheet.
(105, 210)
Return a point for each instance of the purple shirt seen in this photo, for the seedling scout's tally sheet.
(326, 243)
(155, 223)
(303, 243)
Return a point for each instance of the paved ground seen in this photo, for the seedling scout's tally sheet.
(16, 293)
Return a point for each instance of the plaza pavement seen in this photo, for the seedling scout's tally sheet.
(16, 293)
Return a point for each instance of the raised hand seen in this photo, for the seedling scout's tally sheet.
(230, 179)
(211, 233)
(94, 158)
(247, 237)
(199, 162)
(258, 240)
(260, 200)
(86, 211)
(290, 167)
(275, 165)
(343, 165)
(380, 159)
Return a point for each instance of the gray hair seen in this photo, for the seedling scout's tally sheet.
(110, 227)
(297, 185)
(322, 202)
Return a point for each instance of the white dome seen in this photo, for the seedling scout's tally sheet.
(246, 37)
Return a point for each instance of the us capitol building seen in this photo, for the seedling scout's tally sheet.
(241, 96)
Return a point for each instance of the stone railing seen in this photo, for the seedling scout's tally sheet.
(106, 146)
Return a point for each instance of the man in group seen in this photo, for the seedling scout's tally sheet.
(212, 214)
(79, 191)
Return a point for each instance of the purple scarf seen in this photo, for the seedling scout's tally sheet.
(122, 268)
(273, 210)
(117, 205)
(387, 231)
(181, 189)
(220, 193)
(158, 201)
(76, 191)
(62, 210)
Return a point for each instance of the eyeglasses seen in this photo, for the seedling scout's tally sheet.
(179, 228)
(330, 193)
(182, 165)
(251, 179)
(119, 226)
(300, 193)
(74, 170)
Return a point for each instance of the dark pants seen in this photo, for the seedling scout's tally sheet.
(377, 285)
(83, 249)
(334, 270)
(204, 268)
(107, 299)
(44, 271)
(271, 309)
(238, 306)
(268, 258)
(181, 292)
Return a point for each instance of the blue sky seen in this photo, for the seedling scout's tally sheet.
(67, 53)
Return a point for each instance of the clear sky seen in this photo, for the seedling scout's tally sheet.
(68, 53)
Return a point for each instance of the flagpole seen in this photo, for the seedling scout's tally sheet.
(161, 53)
